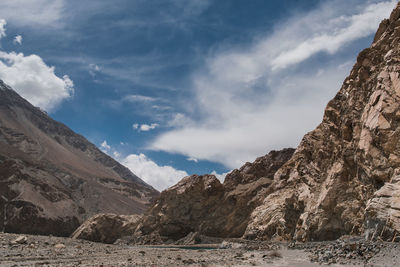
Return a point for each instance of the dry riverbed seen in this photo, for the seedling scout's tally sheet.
(28, 250)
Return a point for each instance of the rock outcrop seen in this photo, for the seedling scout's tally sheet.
(107, 228)
(341, 180)
(202, 205)
(322, 192)
(52, 179)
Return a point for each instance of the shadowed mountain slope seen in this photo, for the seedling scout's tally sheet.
(51, 179)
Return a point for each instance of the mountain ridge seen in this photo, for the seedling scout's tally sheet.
(56, 174)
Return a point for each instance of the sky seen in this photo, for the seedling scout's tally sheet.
(172, 88)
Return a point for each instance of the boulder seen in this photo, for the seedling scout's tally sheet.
(107, 228)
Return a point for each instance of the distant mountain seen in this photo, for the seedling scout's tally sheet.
(51, 179)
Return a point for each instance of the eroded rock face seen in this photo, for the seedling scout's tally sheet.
(107, 228)
(203, 205)
(52, 179)
(382, 218)
(322, 192)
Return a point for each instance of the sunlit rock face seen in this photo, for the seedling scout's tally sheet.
(52, 179)
(342, 177)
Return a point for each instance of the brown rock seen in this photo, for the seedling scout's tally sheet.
(337, 167)
(107, 228)
(203, 205)
(20, 240)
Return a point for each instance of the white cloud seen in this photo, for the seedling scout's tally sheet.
(18, 40)
(32, 12)
(93, 69)
(193, 159)
(139, 98)
(336, 33)
(2, 28)
(220, 177)
(105, 147)
(248, 104)
(34, 80)
(145, 127)
(161, 177)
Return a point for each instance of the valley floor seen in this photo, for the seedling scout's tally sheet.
(28, 250)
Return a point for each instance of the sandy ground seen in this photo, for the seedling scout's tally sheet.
(27, 250)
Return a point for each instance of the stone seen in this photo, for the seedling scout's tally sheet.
(107, 228)
(59, 246)
(20, 240)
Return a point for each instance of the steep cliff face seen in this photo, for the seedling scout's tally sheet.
(353, 156)
(202, 204)
(51, 178)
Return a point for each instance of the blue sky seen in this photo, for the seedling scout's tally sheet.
(177, 87)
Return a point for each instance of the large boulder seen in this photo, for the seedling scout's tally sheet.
(107, 228)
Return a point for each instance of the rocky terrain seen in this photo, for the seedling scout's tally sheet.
(52, 179)
(27, 250)
(202, 204)
(343, 178)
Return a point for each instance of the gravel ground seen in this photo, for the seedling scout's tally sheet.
(28, 250)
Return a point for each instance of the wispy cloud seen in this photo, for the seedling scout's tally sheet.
(139, 98)
(32, 13)
(2, 28)
(334, 34)
(246, 102)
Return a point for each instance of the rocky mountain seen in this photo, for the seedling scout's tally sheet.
(51, 179)
(343, 178)
(202, 204)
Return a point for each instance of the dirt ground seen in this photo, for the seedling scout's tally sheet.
(28, 250)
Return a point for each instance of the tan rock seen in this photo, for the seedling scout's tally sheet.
(107, 228)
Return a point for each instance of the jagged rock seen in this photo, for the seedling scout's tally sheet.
(183, 208)
(383, 213)
(52, 179)
(322, 191)
(107, 228)
(202, 204)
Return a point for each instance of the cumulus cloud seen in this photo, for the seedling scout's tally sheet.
(18, 40)
(145, 127)
(161, 177)
(246, 102)
(34, 80)
(33, 12)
